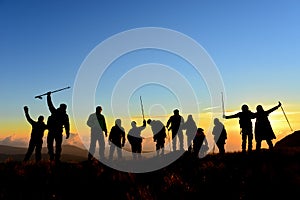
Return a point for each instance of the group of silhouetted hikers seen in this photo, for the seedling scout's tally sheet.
(56, 122)
(196, 138)
(197, 143)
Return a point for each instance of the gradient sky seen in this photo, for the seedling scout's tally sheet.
(255, 46)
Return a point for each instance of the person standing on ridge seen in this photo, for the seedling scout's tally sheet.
(263, 129)
(245, 117)
(175, 123)
(220, 135)
(191, 129)
(57, 121)
(36, 136)
(116, 139)
(97, 123)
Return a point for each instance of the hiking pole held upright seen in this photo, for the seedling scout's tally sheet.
(142, 107)
(40, 96)
(223, 109)
(286, 117)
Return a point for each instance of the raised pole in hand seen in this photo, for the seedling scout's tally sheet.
(286, 117)
(223, 109)
(142, 107)
(40, 96)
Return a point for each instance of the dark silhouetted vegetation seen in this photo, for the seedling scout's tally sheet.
(269, 175)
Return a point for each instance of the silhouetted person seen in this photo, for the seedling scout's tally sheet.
(116, 139)
(175, 124)
(57, 121)
(220, 135)
(97, 123)
(135, 139)
(263, 129)
(159, 135)
(200, 144)
(191, 129)
(36, 136)
(245, 117)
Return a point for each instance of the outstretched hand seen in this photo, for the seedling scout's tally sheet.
(25, 109)
(48, 93)
(279, 103)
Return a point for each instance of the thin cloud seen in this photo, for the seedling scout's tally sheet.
(211, 108)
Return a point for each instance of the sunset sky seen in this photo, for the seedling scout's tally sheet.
(254, 45)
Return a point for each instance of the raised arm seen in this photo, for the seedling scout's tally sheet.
(28, 118)
(49, 103)
(231, 116)
(274, 108)
(143, 126)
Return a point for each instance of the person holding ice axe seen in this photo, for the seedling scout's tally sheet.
(58, 120)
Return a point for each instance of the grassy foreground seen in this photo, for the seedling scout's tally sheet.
(263, 175)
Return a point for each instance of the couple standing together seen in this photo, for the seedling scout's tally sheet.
(263, 129)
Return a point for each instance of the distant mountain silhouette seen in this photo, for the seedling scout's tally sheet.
(290, 141)
(69, 153)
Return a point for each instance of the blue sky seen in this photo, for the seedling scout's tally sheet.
(254, 44)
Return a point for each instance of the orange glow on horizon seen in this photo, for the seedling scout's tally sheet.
(280, 126)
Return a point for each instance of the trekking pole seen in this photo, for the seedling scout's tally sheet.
(223, 109)
(286, 117)
(40, 96)
(142, 107)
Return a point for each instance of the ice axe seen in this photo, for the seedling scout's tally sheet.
(40, 96)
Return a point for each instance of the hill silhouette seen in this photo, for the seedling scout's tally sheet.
(70, 153)
(290, 141)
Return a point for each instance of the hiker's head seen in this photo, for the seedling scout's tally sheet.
(63, 107)
(98, 109)
(259, 108)
(118, 122)
(176, 112)
(149, 121)
(133, 124)
(190, 117)
(216, 121)
(245, 107)
(200, 130)
(41, 118)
